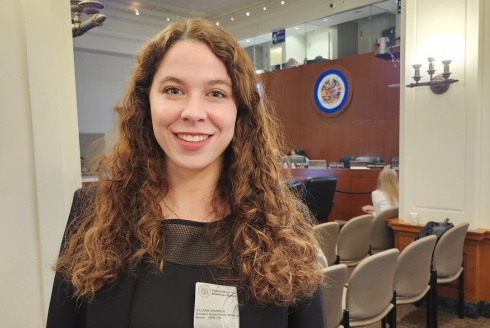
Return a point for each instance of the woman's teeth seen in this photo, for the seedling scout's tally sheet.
(190, 138)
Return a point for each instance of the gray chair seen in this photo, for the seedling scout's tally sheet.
(369, 296)
(412, 274)
(355, 240)
(448, 265)
(327, 235)
(335, 278)
(382, 237)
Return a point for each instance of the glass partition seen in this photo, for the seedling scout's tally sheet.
(345, 34)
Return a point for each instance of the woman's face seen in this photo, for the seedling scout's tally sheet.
(192, 107)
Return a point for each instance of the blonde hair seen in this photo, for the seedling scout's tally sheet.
(268, 246)
(388, 184)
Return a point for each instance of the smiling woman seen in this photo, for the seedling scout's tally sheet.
(191, 224)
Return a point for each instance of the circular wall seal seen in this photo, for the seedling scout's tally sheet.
(333, 91)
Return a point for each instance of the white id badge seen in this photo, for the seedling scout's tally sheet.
(216, 306)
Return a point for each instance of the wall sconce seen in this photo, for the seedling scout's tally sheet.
(438, 84)
(91, 8)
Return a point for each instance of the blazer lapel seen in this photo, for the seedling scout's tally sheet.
(113, 307)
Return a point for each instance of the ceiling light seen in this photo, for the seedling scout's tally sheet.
(282, 2)
(136, 12)
(325, 19)
(296, 28)
(168, 19)
(248, 14)
(232, 18)
(248, 40)
(265, 8)
(217, 23)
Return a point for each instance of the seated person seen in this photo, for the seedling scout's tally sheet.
(294, 152)
(386, 194)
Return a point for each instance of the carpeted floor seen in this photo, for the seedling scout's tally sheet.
(408, 316)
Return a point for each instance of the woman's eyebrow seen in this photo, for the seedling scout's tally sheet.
(219, 81)
(173, 79)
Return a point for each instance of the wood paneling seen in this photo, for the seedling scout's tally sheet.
(476, 253)
(369, 126)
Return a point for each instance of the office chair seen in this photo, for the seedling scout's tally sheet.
(370, 159)
(319, 195)
(346, 160)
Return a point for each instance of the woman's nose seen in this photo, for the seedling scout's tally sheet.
(194, 109)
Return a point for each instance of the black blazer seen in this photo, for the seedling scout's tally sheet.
(112, 308)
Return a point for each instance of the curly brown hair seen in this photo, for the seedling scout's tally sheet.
(269, 245)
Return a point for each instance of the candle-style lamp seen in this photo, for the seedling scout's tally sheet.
(438, 84)
(416, 77)
(431, 70)
(446, 68)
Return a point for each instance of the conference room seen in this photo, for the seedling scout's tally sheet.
(60, 92)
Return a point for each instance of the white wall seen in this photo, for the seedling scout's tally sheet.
(295, 48)
(40, 166)
(100, 78)
(444, 139)
(319, 43)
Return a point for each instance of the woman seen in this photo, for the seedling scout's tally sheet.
(386, 194)
(191, 224)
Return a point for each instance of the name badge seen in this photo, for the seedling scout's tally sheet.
(216, 306)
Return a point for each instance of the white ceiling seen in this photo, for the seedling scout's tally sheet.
(154, 15)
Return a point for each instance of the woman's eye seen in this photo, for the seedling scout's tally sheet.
(216, 94)
(172, 91)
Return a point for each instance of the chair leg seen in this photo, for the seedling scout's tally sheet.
(383, 322)
(337, 259)
(433, 290)
(346, 320)
(428, 300)
(393, 311)
(461, 295)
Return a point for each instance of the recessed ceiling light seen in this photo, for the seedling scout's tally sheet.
(282, 2)
(136, 12)
(168, 19)
(296, 28)
(248, 40)
(248, 14)
(325, 19)
(265, 8)
(232, 18)
(217, 23)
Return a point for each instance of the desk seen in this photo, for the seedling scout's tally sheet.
(346, 206)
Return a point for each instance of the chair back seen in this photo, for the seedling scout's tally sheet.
(327, 235)
(346, 160)
(448, 254)
(319, 195)
(335, 278)
(355, 238)
(369, 159)
(370, 289)
(382, 237)
(412, 272)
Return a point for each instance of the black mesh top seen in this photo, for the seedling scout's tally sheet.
(187, 243)
(167, 299)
